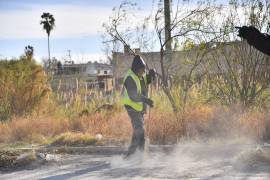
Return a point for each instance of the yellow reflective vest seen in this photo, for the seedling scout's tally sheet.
(138, 106)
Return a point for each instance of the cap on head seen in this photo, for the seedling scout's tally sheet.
(137, 63)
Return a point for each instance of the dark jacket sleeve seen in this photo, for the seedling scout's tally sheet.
(259, 40)
(131, 87)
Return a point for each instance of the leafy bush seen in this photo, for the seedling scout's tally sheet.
(23, 86)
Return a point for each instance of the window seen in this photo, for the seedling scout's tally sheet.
(105, 72)
(98, 71)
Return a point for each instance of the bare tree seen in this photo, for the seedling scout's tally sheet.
(238, 72)
(110, 46)
(184, 22)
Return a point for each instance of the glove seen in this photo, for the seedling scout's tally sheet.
(247, 32)
(251, 34)
(152, 74)
(149, 102)
(243, 31)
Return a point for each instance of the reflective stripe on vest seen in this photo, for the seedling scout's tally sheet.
(138, 106)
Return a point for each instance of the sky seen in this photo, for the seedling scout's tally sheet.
(78, 27)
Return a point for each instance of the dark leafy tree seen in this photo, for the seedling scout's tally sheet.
(29, 51)
(48, 23)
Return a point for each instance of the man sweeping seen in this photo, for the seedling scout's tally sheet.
(135, 99)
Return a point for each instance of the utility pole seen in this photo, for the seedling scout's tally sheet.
(167, 15)
(69, 55)
(168, 45)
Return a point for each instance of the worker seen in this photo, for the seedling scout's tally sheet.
(255, 38)
(135, 99)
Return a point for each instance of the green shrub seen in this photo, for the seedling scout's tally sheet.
(23, 86)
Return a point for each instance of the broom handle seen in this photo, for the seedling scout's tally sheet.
(149, 113)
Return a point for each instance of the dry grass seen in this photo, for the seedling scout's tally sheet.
(163, 127)
(31, 129)
(74, 139)
(71, 120)
(44, 129)
(224, 122)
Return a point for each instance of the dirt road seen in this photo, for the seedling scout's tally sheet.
(186, 161)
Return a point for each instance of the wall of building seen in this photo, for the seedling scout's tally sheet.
(88, 74)
(177, 67)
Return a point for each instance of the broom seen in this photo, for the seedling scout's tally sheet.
(147, 142)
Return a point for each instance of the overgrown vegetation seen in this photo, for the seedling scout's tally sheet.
(203, 118)
(23, 87)
(229, 99)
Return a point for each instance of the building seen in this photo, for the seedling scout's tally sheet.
(181, 64)
(91, 75)
(122, 61)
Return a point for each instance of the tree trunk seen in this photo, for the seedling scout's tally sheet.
(167, 15)
(164, 76)
(49, 56)
(166, 55)
(170, 97)
(165, 82)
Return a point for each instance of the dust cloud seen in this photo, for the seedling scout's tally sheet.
(216, 159)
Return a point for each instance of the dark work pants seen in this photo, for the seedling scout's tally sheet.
(137, 121)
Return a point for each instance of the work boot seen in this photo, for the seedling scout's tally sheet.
(126, 156)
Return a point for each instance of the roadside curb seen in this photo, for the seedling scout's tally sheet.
(100, 150)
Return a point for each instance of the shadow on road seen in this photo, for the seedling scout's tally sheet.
(94, 166)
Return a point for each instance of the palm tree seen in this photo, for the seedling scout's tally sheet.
(48, 25)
